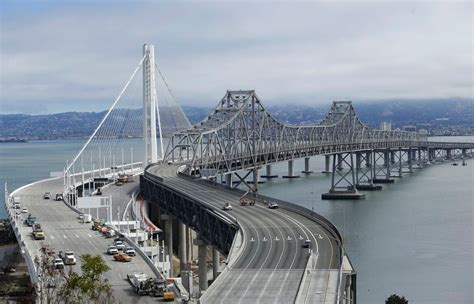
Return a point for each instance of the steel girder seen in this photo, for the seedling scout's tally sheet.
(211, 226)
(240, 133)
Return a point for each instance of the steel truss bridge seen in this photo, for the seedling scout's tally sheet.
(236, 139)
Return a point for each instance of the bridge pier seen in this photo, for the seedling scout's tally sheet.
(182, 248)
(381, 173)
(339, 162)
(365, 175)
(202, 264)
(345, 186)
(306, 166)
(169, 238)
(291, 173)
(215, 263)
(268, 172)
(327, 164)
(228, 180)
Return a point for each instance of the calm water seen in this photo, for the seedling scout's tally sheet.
(414, 238)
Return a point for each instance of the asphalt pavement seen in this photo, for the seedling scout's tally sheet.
(271, 265)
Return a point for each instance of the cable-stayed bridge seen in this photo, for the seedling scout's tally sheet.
(283, 255)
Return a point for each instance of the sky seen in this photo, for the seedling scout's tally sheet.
(76, 55)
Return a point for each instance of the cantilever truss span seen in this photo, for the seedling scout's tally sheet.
(240, 133)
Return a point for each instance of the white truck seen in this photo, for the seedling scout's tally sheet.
(87, 218)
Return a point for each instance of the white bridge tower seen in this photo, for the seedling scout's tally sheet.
(150, 107)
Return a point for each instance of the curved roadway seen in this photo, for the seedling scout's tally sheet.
(271, 264)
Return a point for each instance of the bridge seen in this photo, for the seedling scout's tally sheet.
(258, 254)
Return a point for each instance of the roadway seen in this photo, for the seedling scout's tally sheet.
(64, 231)
(271, 264)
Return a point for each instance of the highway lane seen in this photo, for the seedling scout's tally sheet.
(64, 231)
(271, 265)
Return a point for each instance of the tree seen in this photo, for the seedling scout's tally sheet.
(90, 286)
(395, 299)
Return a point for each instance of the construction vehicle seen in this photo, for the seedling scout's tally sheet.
(169, 296)
(38, 233)
(143, 285)
(246, 200)
(125, 178)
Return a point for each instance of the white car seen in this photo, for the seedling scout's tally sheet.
(80, 216)
(120, 245)
(112, 250)
(273, 205)
(130, 251)
(24, 210)
(58, 263)
(227, 207)
(47, 195)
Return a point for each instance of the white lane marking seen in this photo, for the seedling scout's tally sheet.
(77, 236)
(300, 237)
(89, 235)
(52, 237)
(288, 238)
(277, 239)
(64, 236)
(264, 239)
(252, 239)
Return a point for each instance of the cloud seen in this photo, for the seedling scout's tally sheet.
(78, 56)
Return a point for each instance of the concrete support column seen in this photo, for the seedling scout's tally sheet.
(327, 164)
(291, 172)
(202, 261)
(228, 179)
(169, 241)
(410, 160)
(348, 290)
(339, 162)
(357, 164)
(182, 247)
(268, 172)
(368, 159)
(449, 154)
(386, 161)
(392, 157)
(306, 166)
(215, 263)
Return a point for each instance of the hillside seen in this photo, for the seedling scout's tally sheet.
(438, 116)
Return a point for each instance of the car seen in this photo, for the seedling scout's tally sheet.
(122, 257)
(112, 250)
(169, 162)
(68, 257)
(118, 183)
(80, 216)
(273, 205)
(129, 251)
(24, 210)
(227, 207)
(120, 245)
(58, 263)
(59, 196)
(307, 244)
(47, 195)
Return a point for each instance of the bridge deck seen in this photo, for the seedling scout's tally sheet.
(64, 231)
(272, 262)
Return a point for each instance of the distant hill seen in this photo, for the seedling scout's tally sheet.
(439, 116)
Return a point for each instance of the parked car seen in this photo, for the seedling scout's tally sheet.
(24, 210)
(273, 205)
(122, 257)
(58, 263)
(47, 195)
(112, 250)
(129, 251)
(227, 207)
